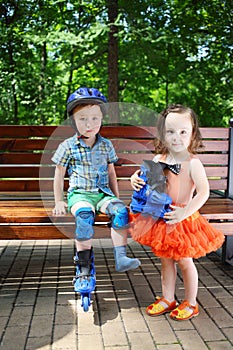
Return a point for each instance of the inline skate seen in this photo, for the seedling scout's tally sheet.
(85, 280)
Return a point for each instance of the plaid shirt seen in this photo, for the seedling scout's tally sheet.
(87, 167)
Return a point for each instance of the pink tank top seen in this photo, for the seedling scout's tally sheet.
(179, 187)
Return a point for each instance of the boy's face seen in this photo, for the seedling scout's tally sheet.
(88, 120)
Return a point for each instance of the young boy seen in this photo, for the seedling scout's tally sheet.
(93, 185)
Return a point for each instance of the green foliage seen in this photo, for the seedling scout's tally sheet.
(169, 51)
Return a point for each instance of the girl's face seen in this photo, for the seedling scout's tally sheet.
(178, 132)
(88, 120)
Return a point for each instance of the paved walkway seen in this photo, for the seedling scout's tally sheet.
(39, 310)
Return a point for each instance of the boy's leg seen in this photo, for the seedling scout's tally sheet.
(84, 212)
(117, 210)
(122, 262)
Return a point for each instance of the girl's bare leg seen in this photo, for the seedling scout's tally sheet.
(168, 278)
(190, 278)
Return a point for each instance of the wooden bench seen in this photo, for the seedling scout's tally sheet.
(26, 172)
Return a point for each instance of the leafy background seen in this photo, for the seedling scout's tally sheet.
(150, 53)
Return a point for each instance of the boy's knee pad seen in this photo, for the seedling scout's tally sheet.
(84, 218)
(118, 213)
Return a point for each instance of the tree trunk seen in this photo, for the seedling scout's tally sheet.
(13, 85)
(43, 78)
(113, 62)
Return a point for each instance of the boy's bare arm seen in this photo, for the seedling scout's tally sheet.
(58, 187)
(113, 180)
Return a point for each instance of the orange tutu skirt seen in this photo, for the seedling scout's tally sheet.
(193, 237)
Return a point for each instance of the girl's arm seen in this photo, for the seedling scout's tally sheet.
(136, 181)
(58, 187)
(198, 175)
(113, 179)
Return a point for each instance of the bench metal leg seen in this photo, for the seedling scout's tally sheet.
(224, 251)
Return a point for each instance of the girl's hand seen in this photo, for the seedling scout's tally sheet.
(136, 182)
(175, 216)
(60, 208)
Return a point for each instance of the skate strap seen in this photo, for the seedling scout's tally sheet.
(83, 275)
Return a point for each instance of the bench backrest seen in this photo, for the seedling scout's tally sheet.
(26, 167)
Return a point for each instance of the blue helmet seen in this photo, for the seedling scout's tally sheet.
(85, 95)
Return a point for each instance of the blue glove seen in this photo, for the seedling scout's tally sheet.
(157, 204)
(139, 198)
(151, 199)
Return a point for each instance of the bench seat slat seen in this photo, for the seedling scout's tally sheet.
(18, 211)
(37, 225)
(59, 232)
(225, 227)
(47, 232)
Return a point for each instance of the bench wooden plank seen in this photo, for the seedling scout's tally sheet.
(28, 171)
(126, 144)
(214, 133)
(35, 158)
(225, 227)
(22, 145)
(22, 158)
(47, 232)
(28, 185)
(110, 131)
(61, 232)
(26, 131)
(12, 214)
(218, 208)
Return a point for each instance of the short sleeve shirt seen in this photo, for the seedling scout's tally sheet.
(87, 166)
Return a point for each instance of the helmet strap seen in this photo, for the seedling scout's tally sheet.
(82, 137)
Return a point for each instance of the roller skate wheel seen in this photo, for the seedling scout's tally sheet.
(85, 303)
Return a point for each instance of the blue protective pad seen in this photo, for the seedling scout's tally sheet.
(118, 213)
(84, 218)
(151, 198)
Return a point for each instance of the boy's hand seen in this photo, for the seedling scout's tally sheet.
(136, 182)
(60, 208)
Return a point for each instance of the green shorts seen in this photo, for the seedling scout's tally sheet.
(95, 199)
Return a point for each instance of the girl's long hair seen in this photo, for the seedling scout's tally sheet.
(196, 144)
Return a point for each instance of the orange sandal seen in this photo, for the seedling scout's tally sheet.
(184, 311)
(157, 308)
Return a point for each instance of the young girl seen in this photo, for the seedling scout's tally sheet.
(182, 234)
